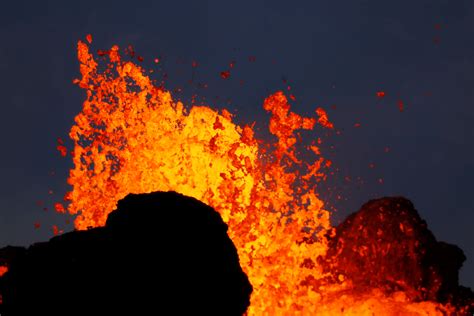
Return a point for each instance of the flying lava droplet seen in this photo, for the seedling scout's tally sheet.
(225, 74)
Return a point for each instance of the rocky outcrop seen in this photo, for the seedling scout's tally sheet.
(387, 245)
(158, 252)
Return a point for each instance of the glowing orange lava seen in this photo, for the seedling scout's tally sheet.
(131, 137)
(3, 270)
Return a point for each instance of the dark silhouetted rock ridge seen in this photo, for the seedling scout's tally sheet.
(159, 254)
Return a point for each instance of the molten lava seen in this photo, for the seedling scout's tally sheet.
(3, 270)
(131, 137)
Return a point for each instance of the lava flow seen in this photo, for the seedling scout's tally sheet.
(131, 137)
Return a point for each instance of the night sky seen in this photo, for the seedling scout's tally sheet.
(333, 54)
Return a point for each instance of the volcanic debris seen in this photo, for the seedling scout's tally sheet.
(388, 246)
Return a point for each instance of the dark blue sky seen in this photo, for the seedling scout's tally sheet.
(331, 52)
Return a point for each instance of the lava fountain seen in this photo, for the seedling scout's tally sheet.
(131, 137)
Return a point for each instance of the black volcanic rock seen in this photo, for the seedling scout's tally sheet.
(387, 245)
(159, 254)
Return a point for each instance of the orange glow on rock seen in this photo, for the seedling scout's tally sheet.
(3, 270)
(132, 137)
